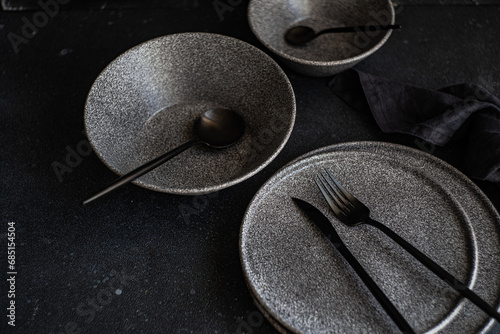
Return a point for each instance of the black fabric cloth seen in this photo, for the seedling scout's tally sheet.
(466, 113)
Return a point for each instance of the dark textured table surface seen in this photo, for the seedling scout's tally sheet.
(146, 262)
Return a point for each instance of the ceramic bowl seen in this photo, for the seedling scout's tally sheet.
(330, 53)
(145, 102)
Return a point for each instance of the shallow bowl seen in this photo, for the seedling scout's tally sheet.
(145, 102)
(330, 53)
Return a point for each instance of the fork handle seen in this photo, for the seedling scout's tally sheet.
(438, 270)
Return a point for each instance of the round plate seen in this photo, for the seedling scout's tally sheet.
(303, 285)
(145, 102)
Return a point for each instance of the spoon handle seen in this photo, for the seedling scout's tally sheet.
(139, 171)
(361, 28)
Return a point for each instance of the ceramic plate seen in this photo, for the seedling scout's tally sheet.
(304, 286)
(145, 102)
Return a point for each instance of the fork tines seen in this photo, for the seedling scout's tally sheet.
(339, 199)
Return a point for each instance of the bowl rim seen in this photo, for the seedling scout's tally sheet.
(251, 8)
(219, 186)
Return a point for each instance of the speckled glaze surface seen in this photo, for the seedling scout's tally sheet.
(330, 53)
(304, 286)
(145, 102)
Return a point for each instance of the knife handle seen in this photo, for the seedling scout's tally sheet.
(391, 310)
(460, 287)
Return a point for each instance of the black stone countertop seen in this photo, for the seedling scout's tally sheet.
(139, 261)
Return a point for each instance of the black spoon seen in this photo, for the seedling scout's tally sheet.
(300, 35)
(217, 128)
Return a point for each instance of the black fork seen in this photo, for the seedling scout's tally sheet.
(351, 211)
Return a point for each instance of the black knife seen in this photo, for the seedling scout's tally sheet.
(329, 232)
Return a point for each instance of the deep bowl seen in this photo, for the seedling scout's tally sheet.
(145, 102)
(330, 53)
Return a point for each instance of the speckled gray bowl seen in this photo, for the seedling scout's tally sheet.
(330, 53)
(145, 102)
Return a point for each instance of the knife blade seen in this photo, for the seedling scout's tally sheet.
(325, 226)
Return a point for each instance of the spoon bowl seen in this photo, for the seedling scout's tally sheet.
(299, 35)
(219, 128)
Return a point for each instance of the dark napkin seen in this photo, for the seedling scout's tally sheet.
(465, 113)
